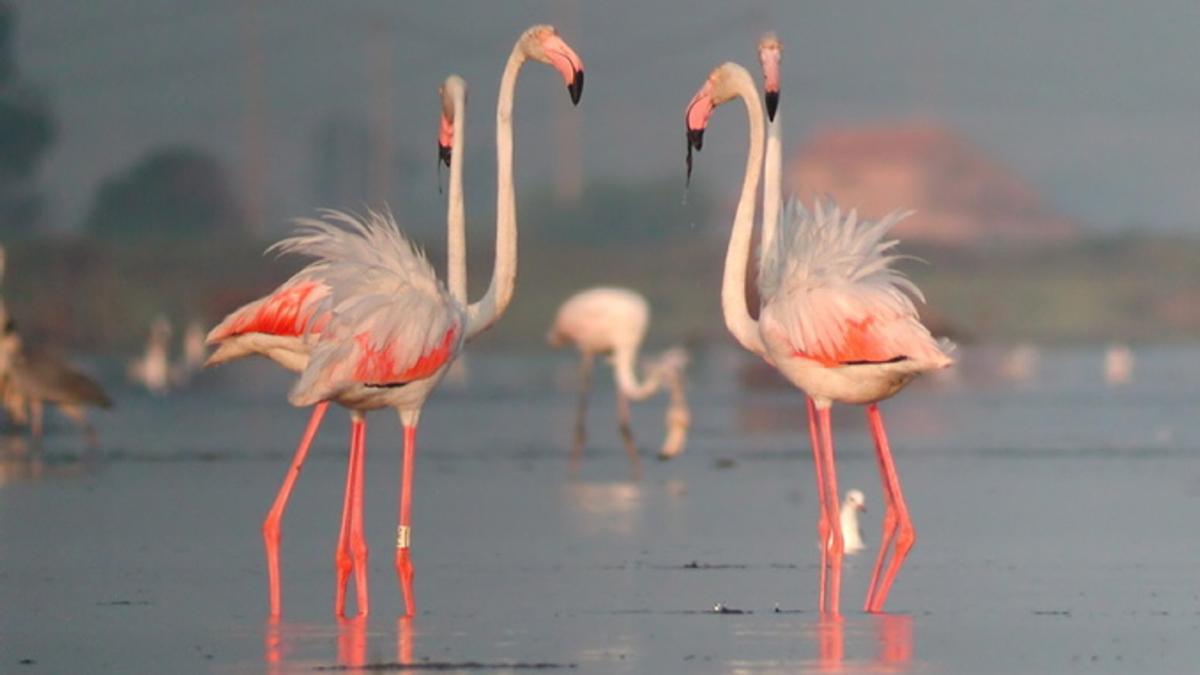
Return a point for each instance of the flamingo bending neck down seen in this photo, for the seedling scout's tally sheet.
(836, 321)
(368, 325)
(608, 320)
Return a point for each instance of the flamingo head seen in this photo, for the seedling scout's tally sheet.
(717, 89)
(770, 53)
(454, 86)
(542, 43)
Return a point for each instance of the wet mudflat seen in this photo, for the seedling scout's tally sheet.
(1056, 524)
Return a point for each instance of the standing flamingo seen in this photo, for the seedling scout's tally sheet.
(836, 320)
(367, 272)
(613, 321)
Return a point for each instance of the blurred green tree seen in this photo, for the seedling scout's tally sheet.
(27, 130)
(175, 191)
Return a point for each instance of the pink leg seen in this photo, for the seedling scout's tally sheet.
(905, 534)
(358, 541)
(823, 520)
(834, 542)
(404, 567)
(271, 526)
(343, 558)
(888, 525)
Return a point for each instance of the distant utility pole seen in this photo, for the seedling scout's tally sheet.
(254, 163)
(568, 122)
(382, 145)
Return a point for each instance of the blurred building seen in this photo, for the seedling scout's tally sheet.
(961, 195)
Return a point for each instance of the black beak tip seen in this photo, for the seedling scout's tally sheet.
(576, 87)
(772, 104)
(444, 154)
(696, 138)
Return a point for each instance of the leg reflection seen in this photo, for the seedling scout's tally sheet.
(404, 640)
(831, 643)
(894, 638)
(352, 642)
(273, 650)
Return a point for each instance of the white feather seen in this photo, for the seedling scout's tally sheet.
(826, 269)
(383, 294)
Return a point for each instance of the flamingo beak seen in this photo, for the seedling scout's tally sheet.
(696, 119)
(862, 508)
(770, 66)
(575, 88)
(567, 63)
(445, 139)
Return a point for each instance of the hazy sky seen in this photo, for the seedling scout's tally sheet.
(1095, 102)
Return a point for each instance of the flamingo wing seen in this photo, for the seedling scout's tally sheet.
(288, 311)
(829, 286)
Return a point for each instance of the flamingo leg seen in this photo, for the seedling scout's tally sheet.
(358, 541)
(823, 519)
(404, 567)
(834, 542)
(343, 558)
(585, 384)
(627, 432)
(888, 525)
(271, 525)
(905, 535)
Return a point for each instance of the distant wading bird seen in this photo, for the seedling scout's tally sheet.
(613, 321)
(31, 378)
(835, 320)
(369, 325)
(152, 369)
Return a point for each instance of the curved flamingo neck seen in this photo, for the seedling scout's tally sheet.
(456, 227)
(481, 315)
(733, 289)
(625, 365)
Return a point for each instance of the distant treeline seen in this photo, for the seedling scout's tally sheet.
(100, 295)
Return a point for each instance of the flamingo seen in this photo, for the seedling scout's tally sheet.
(608, 320)
(835, 320)
(368, 325)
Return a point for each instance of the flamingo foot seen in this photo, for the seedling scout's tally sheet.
(343, 564)
(906, 537)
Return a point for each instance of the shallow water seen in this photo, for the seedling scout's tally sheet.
(1055, 519)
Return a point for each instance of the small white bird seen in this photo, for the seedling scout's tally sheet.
(153, 369)
(1118, 365)
(851, 531)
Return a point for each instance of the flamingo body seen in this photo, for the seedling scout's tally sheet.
(837, 320)
(601, 320)
(392, 328)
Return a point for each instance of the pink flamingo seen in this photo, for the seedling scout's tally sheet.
(369, 325)
(836, 320)
(608, 320)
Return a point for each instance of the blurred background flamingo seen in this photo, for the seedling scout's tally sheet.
(613, 321)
